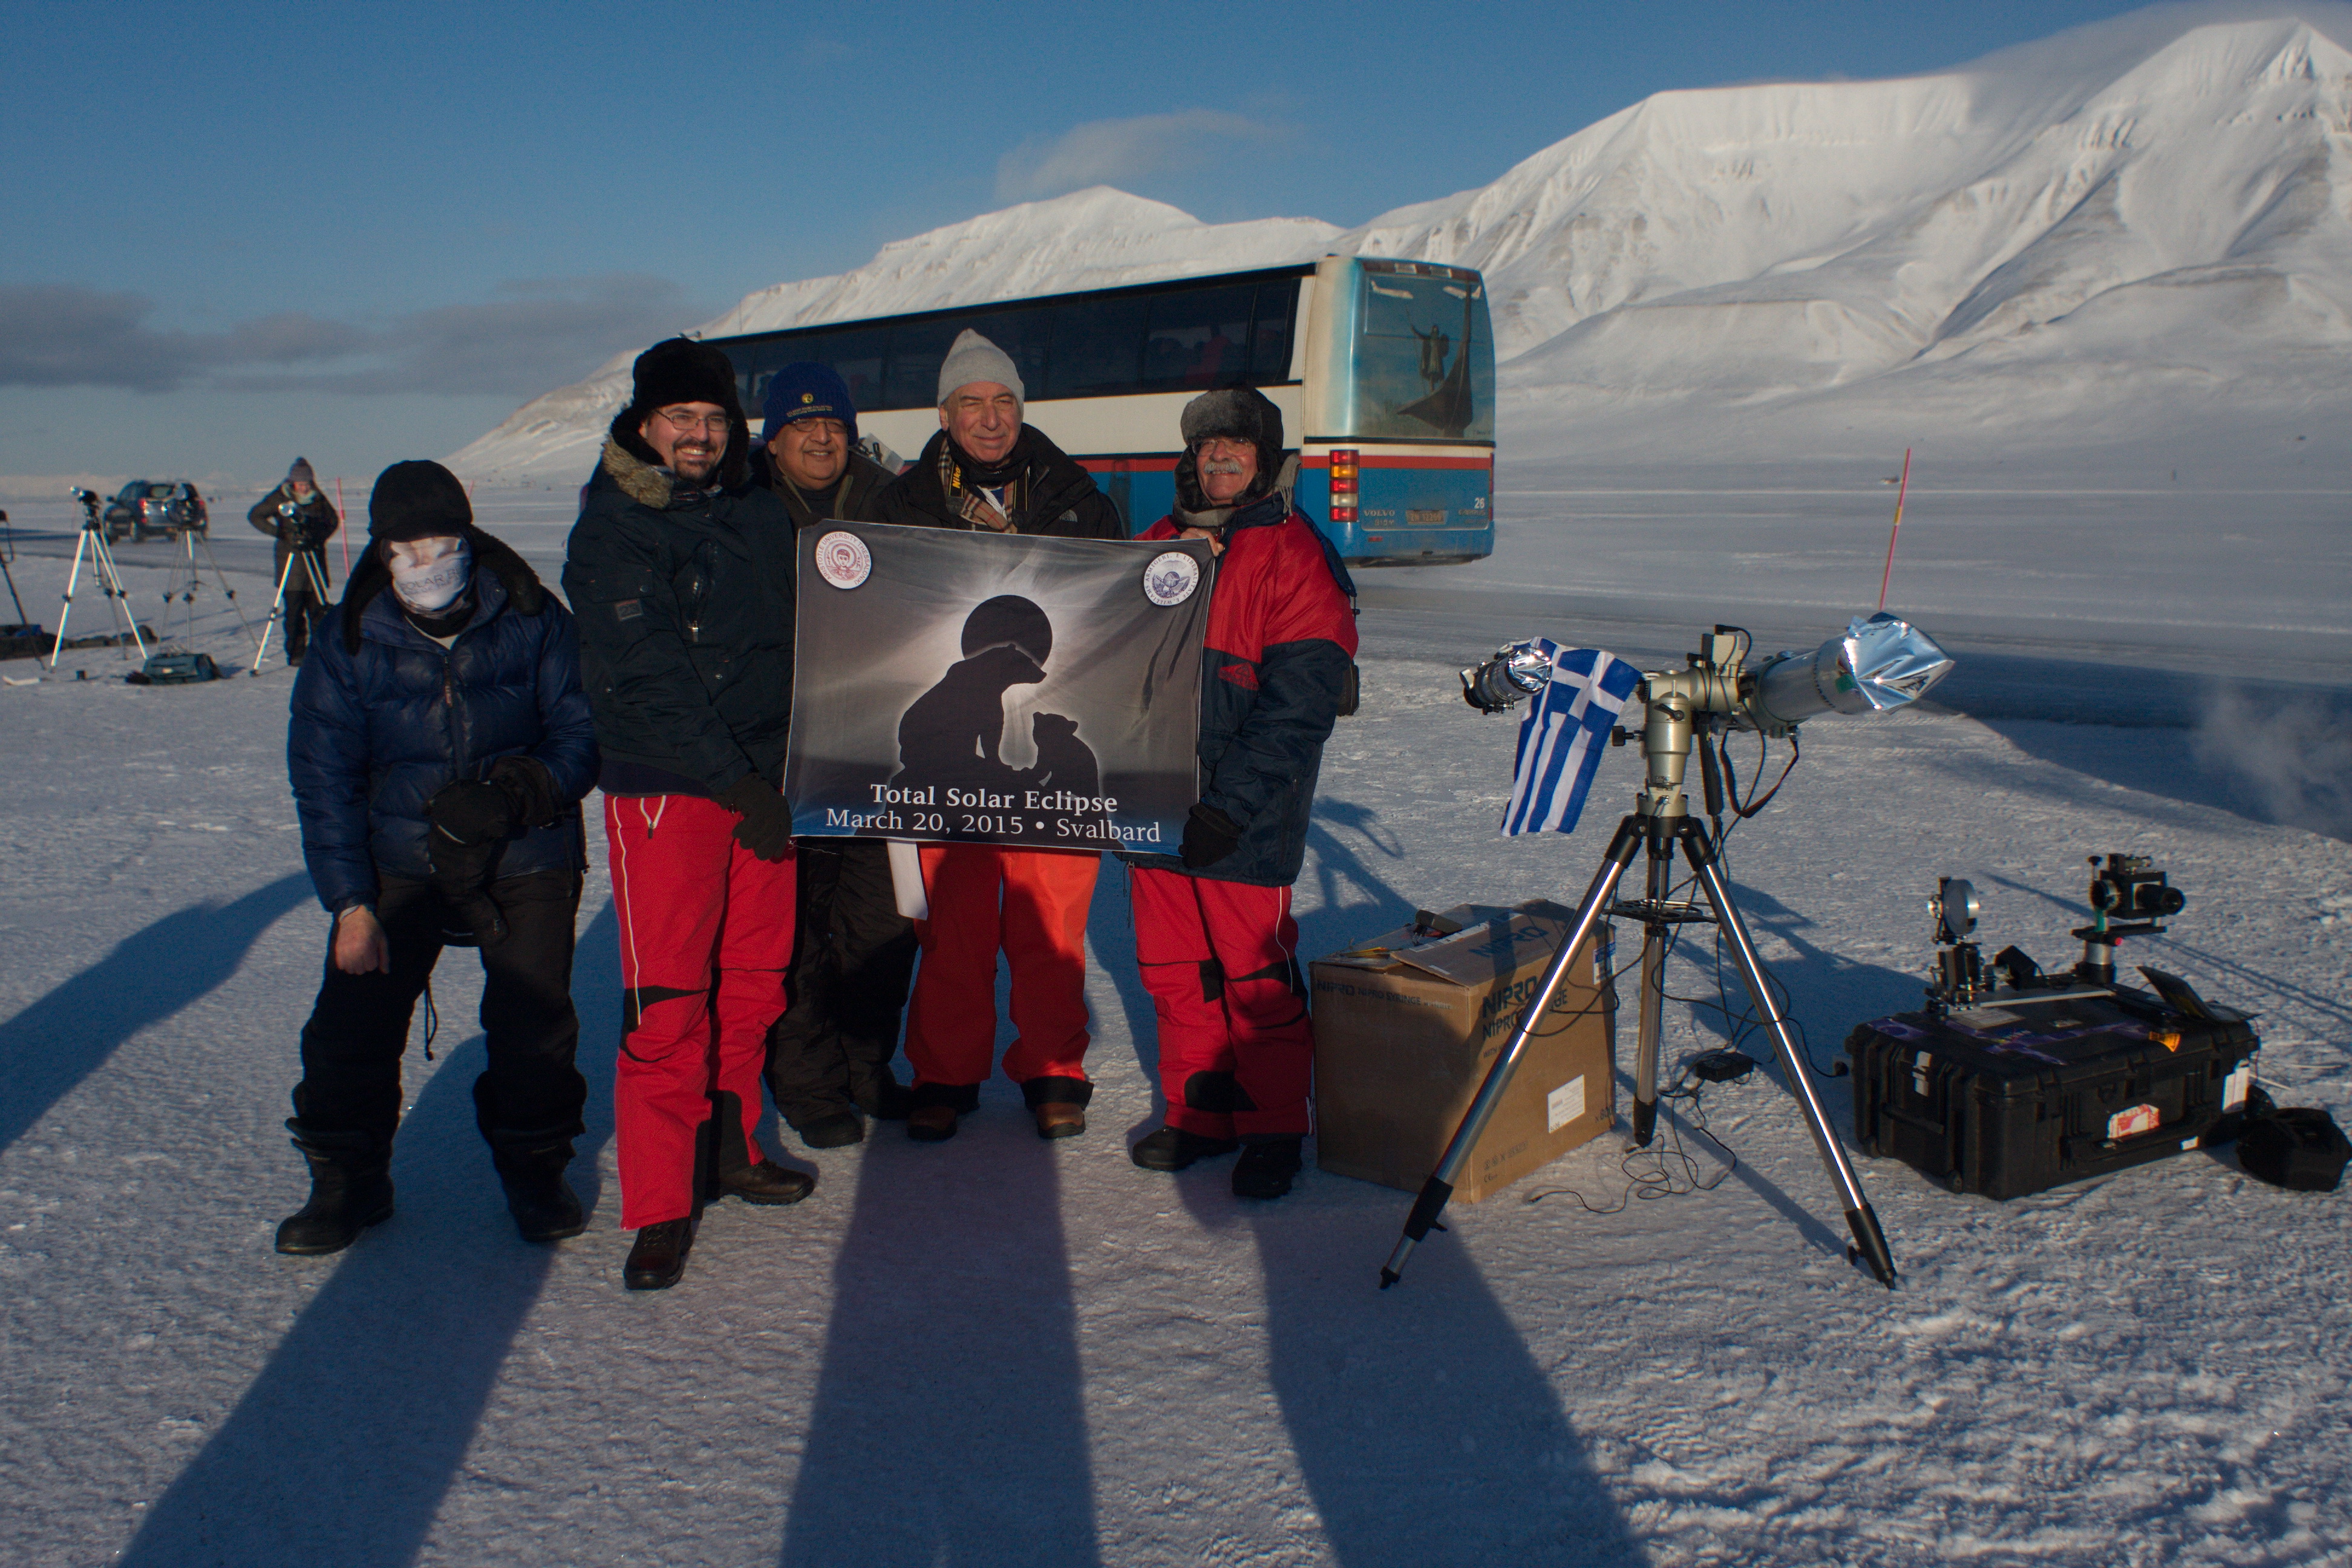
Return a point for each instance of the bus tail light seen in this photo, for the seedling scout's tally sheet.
(1343, 485)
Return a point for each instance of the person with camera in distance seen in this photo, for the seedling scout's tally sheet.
(680, 570)
(438, 746)
(988, 471)
(297, 515)
(1214, 933)
(852, 951)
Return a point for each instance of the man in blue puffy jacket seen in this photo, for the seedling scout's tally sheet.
(439, 747)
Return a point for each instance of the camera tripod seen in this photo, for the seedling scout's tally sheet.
(307, 559)
(93, 543)
(186, 579)
(1660, 821)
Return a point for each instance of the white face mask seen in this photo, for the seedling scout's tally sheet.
(428, 574)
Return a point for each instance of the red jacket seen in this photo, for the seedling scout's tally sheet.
(1281, 638)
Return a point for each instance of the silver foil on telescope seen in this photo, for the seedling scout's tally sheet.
(1881, 663)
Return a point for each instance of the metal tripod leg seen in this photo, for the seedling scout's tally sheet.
(1439, 1188)
(218, 576)
(1650, 1013)
(1870, 1242)
(277, 613)
(109, 582)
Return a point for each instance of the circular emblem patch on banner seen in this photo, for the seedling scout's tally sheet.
(843, 560)
(1170, 578)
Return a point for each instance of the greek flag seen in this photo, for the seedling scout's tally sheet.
(1562, 735)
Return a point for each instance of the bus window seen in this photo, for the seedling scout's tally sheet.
(1198, 338)
(1277, 303)
(1099, 351)
(1424, 361)
(916, 350)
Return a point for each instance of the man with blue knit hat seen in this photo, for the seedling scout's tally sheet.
(809, 454)
(852, 953)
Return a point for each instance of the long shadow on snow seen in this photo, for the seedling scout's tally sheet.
(1426, 1432)
(949, 1425)
(342, 1448)
(50, 1047)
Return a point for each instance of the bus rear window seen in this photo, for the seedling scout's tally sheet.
(1425, 355)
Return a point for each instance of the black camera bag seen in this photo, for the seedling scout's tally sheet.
(2300, 1149)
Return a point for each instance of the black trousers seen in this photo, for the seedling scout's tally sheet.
(358, 1026)
(306, 612)
(852, 953)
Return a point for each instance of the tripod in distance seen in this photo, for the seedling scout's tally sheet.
(186, 579)
(93, 543)
(1661, 822)
(306, 560)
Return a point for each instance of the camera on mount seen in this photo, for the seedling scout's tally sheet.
(2126, 886)
(2131, 888)
(89, 501)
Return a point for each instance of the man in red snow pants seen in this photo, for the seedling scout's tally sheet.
(989, 472)
(1214, 933)
(679, 572)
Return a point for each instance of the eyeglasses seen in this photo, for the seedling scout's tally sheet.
(686, 420)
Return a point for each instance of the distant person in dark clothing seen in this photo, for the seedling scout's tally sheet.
(987, 471)
(852, 951)
(680, 569)
(297, 515)
(439, 747)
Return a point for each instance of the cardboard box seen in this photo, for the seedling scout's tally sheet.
(1407, 1024)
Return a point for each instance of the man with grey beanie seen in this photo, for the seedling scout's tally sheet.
(987, 471)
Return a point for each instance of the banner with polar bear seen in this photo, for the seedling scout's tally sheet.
(975, 688)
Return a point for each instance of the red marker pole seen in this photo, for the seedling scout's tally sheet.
(345, 531)
(1901, 491)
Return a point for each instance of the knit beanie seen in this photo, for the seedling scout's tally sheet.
(805, 391)
(303, 471)
(974, 358)
(417, 500)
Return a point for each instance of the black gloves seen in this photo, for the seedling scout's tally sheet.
(471, 819)
(766, 830)
(1209, 836)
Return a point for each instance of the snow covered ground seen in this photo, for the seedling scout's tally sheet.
(1003, 1351)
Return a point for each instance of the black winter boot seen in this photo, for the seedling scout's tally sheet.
(733, 1169)
(657, 1260)
(1266, 1168)
(351, 1189)
(530, 1166)
(1173, 1148)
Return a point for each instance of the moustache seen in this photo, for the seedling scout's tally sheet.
(1221, 465)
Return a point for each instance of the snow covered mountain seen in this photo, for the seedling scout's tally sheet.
(2120, 249)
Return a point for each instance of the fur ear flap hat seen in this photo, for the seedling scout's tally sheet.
(1237, 414)
(682, 370)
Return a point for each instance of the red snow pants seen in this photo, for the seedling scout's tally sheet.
(706, 937)
(1236, 1054)
(1033, 904)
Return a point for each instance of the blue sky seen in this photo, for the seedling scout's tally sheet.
(367, 232)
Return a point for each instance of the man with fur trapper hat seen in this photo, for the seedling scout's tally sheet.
(852, 951)
(987, 471)
(297, 515)
(680, 571)
(439, 746)
(1214, 933)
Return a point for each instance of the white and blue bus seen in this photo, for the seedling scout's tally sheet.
(1384, 371)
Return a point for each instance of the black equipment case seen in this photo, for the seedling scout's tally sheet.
(2051, 1083)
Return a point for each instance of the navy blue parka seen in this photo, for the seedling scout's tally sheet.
(376, 733)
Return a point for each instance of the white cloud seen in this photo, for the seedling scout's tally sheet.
(1124, 152)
